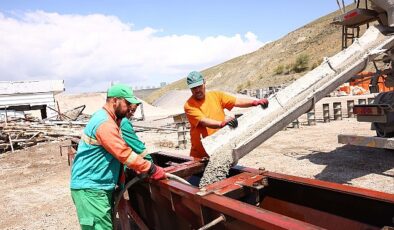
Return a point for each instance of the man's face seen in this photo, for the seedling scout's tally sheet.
(131, 111)
(198, 92)
(121, 107)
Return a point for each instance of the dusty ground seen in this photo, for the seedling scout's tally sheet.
(314, 152)
(35, 182)
(34, 189)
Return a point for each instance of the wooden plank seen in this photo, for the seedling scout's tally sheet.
(25, 134)
(151, 127)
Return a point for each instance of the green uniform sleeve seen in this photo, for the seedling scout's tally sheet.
(132, 139)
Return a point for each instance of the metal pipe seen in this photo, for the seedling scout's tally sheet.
(339, 5)
(214, 222)
(177, 178)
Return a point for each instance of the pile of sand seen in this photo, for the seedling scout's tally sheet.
(92, 101)
(174, 100)
(95, 101)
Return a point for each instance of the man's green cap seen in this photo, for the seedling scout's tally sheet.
(123, 91)
(194, 79)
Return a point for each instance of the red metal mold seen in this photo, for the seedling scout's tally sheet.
(256, 199)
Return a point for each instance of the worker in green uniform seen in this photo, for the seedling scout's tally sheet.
(129, 135)
(97, 164)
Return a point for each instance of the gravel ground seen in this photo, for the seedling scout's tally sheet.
(35, 190)
(314, 152)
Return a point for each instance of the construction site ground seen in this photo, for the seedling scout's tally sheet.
(35, 181)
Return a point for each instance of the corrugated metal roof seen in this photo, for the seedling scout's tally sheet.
(27, 99)
(24, 87)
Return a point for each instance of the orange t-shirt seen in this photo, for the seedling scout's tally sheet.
(211, 107)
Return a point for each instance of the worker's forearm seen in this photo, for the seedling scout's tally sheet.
(243, 102)
(210, 123)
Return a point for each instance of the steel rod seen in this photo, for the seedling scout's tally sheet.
(214, 222)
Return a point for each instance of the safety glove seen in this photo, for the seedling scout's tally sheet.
(156, 172)
(263, 102)
(232, 122)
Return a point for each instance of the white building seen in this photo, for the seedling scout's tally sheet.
(17, 96)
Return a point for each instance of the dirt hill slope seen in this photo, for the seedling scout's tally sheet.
(315, 40)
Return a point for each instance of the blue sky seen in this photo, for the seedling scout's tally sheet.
(92, 40)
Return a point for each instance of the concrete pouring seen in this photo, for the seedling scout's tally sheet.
(227, 145)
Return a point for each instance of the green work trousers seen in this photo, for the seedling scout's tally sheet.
(94, 208)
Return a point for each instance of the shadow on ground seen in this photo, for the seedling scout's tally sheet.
(361, 160)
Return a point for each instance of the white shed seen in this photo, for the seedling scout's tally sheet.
(29, 95)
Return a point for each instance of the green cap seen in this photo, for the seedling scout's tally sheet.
(123, 91)
(194, 79)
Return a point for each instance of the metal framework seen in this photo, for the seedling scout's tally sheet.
(250, 199)
(352, 20)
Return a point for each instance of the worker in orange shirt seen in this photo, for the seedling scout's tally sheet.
(205, 111)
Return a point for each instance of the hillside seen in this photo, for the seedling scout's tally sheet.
(316, 40)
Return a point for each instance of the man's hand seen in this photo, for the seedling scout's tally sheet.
(156, 172)
(231, 121)
(263, 102)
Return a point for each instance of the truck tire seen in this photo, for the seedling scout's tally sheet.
(385, 129)
(381, 131)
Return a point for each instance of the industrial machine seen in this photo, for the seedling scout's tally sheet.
(381, 112)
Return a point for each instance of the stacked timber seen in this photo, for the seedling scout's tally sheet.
(22, 134)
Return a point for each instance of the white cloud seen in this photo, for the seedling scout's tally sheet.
(90, 51)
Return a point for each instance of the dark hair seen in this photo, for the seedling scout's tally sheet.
(109, 99)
